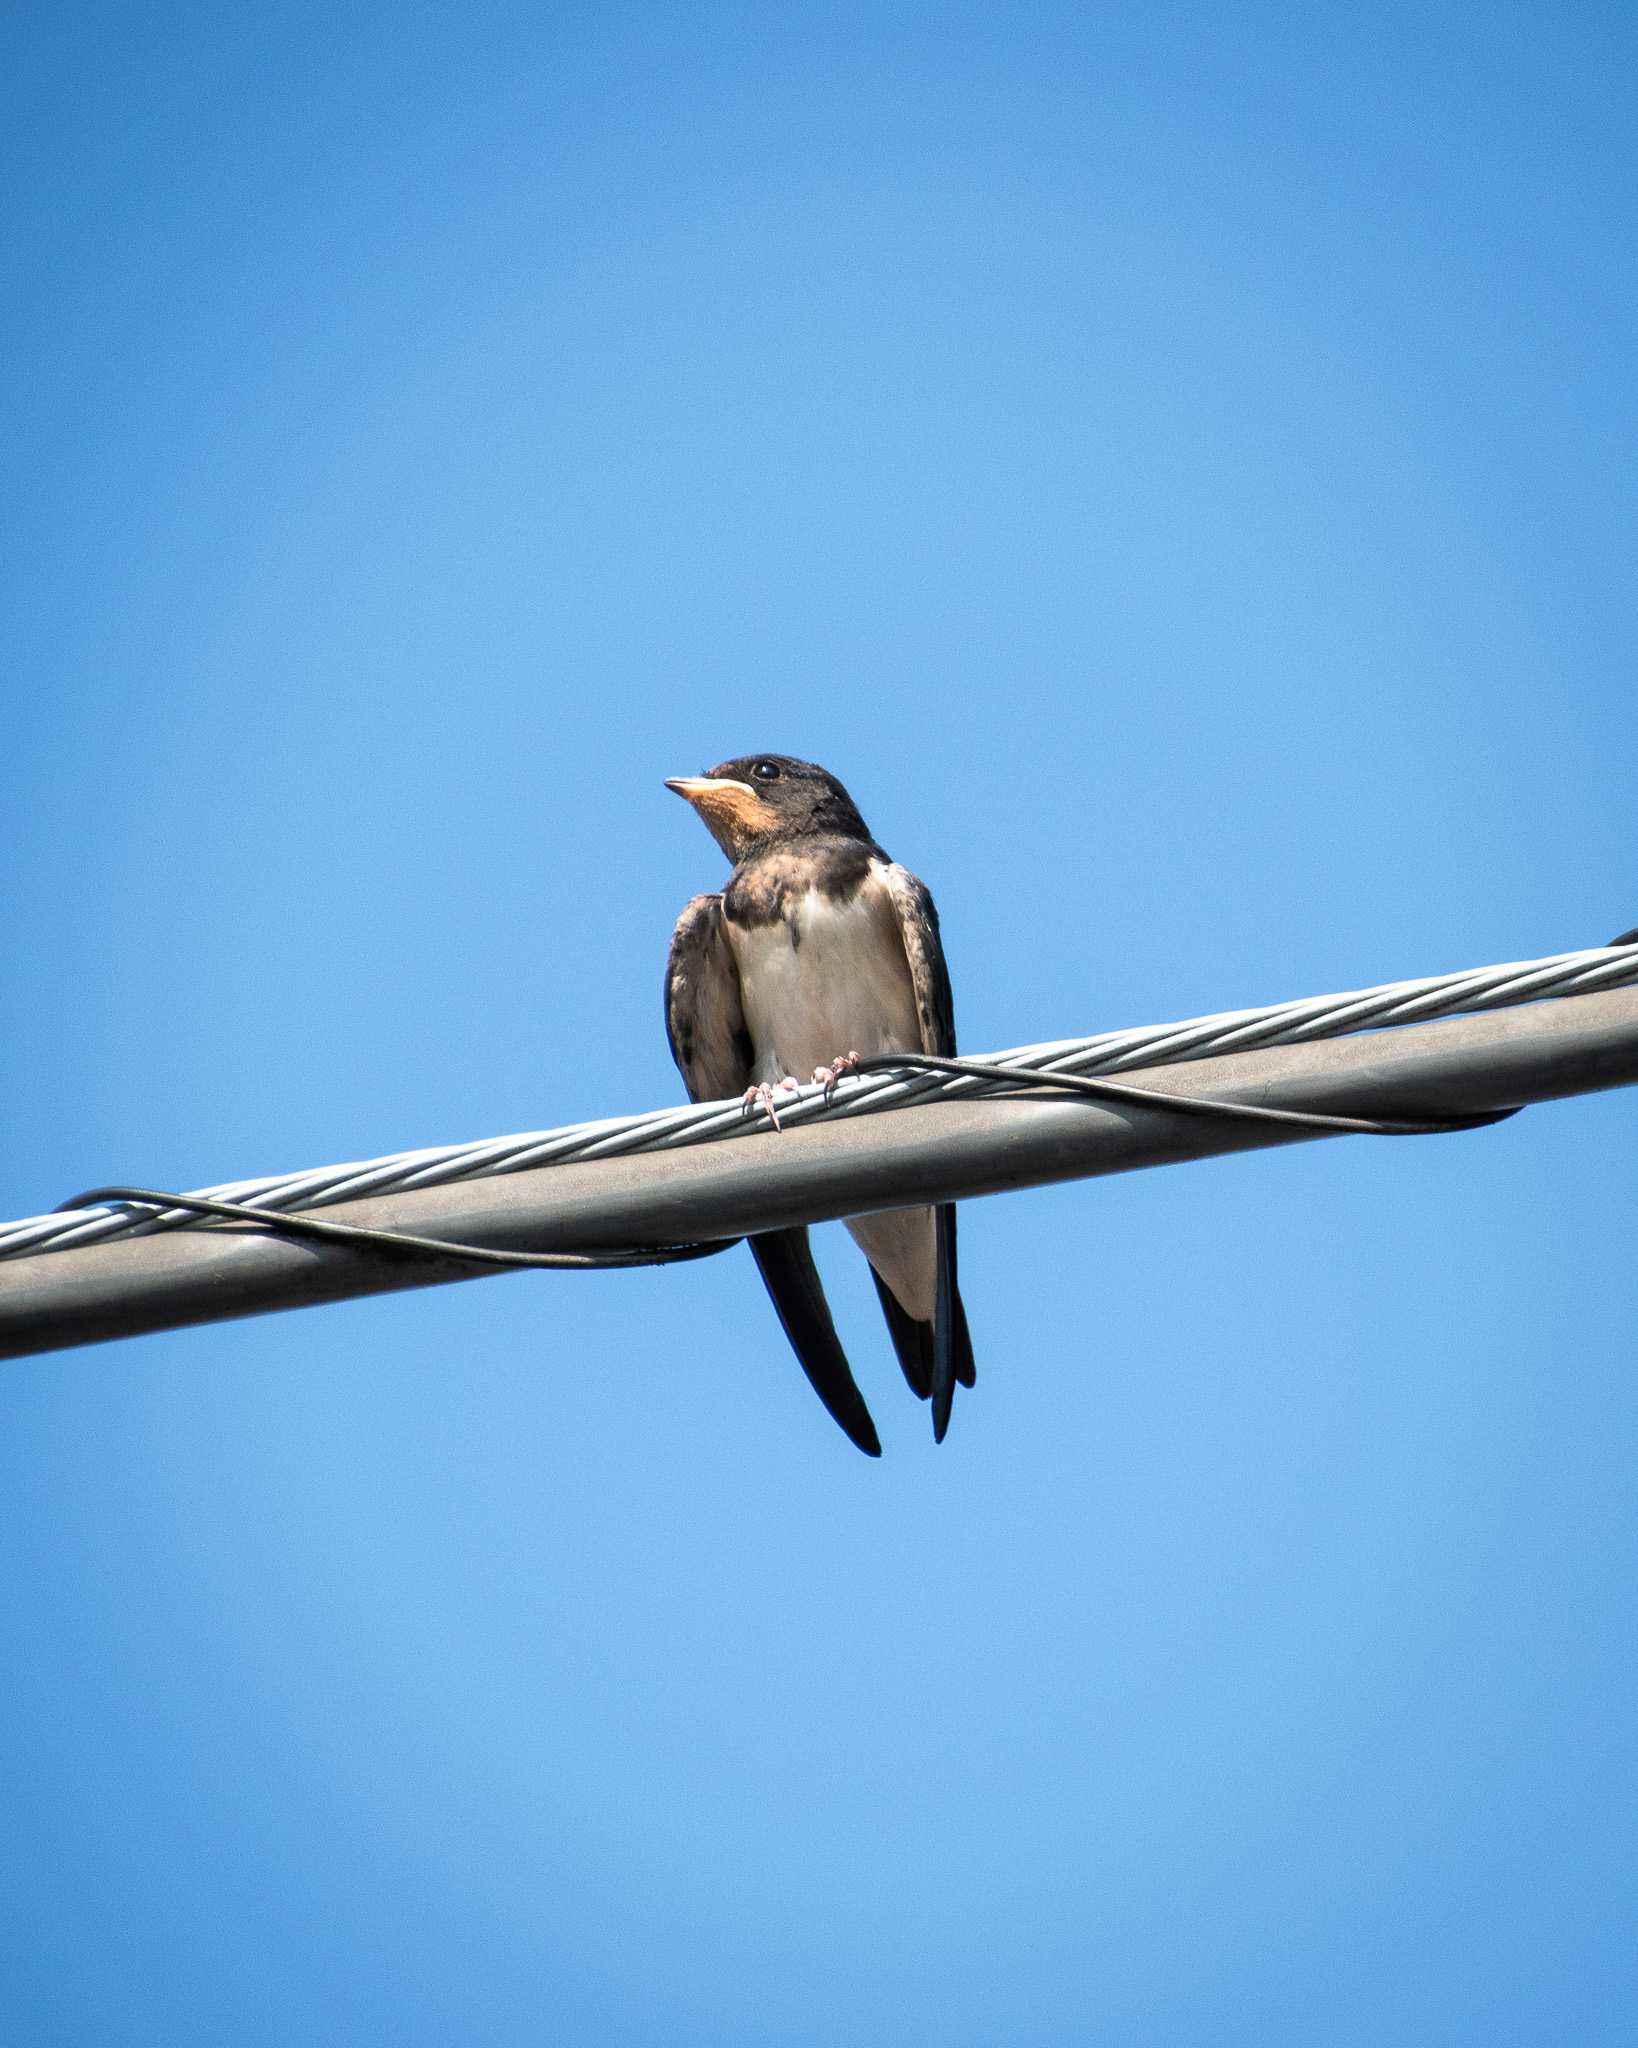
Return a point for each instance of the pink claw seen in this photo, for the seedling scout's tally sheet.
(829, 1076)
(763, 1098)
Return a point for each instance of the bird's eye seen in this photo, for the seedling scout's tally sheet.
(766, 771)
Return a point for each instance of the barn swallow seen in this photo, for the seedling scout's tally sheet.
(820, 942)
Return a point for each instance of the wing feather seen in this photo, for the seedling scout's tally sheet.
(704, 1016)
(923, 948)
(785, 1261)
(951, 1350)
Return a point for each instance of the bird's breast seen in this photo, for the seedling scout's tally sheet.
(827, 975)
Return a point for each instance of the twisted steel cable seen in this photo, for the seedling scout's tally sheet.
(1106, 1053)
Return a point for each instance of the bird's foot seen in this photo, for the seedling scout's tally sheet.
(763, 1098)
(843, 1063)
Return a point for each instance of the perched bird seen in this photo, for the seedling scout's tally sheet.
(819, 951)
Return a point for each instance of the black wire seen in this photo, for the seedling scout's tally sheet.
(398, 1243)
(1100, 1090)
(282, 1224)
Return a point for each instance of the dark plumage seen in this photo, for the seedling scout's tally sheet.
(819, 945)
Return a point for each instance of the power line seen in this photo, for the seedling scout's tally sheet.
(1108, 1052)
(944, 1140)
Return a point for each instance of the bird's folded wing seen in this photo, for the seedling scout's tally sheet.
(949, 1356)
(704, 1017)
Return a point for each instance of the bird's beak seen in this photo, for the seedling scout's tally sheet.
(696, 789)
(730, 810)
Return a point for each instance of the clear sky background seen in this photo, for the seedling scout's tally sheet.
(1176, 465)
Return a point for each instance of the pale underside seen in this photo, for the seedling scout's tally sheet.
(829, 978)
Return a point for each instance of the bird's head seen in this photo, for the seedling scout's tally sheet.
(764, 800)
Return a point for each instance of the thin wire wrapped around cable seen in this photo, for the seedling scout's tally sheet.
(1013, 1080)
(325, 1230)
(1005, 1081)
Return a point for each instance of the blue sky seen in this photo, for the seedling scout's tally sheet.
(1176, 465)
